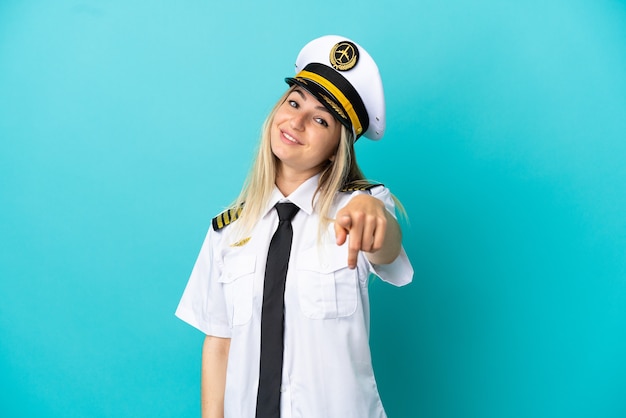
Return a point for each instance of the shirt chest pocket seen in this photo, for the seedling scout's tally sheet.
(238, 280)
(327, 288)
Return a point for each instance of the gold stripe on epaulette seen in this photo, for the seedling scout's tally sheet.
(359, 187)
(226, 218)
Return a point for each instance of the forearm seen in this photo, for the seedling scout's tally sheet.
(214, 361)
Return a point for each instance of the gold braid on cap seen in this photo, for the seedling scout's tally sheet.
(335, 91)
(334, 106)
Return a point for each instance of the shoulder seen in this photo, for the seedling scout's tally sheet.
(376, 190)
(226, 218)
(359, 186)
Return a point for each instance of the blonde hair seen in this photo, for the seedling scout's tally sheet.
(343, 171)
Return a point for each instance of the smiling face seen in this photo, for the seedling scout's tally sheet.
(304, 135)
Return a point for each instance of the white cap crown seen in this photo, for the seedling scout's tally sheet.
(345, 78)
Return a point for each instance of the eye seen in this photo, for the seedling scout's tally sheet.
(293, 104)
(322, 122)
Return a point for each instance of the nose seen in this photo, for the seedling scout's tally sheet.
(297, 122)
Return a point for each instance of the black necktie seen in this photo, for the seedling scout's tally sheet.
(272, 315)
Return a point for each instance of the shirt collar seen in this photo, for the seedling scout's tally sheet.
(301, 197)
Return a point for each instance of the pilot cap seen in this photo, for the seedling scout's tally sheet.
(345, 79)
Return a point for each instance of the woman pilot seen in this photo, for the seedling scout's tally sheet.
(280, 287)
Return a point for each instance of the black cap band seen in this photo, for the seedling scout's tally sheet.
(321, 80)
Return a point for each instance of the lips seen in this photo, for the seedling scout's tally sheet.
(290, 139)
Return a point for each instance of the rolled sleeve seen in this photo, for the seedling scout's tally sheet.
(397, 273)
(203, 305)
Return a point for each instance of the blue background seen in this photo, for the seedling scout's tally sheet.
(126, 125)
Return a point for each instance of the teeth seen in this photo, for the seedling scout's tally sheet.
(289, 137)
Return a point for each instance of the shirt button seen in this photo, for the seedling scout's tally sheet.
(283, 389)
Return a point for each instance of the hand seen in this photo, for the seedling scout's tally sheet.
(364, 219)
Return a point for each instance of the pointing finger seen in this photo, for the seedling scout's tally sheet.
(355, 242)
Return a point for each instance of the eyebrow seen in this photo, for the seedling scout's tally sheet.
(320, 107)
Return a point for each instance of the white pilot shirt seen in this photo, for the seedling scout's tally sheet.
(327, 369)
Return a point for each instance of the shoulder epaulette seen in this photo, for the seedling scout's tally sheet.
(358, 187)
(225, 218)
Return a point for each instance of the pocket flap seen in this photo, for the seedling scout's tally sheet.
(324, 259)
(241, 266)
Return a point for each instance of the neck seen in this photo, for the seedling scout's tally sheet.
(287, 182)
